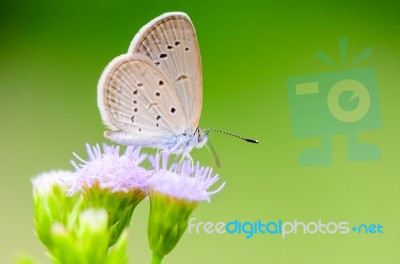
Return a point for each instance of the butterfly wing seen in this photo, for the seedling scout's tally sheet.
(170, 43)
(137, 101)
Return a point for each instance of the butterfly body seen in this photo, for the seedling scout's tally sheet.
(176, 143)
(152, 95)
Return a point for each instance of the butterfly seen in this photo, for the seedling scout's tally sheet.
(152, 95)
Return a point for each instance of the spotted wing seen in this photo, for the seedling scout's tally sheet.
(138, 102)
(170, 43)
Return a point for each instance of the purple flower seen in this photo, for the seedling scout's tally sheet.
(182, 180)
(109, 170)
(174, 193)
(113, 182)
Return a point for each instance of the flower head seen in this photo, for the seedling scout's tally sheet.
(174, 194)
(182, 181)
(113, 182)
(109, 170)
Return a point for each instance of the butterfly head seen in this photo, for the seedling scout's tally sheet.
(201, 136)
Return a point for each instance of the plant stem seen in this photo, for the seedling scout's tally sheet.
(156, 259)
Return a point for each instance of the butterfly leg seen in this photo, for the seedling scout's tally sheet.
(186, 155)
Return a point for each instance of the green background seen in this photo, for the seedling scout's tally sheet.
(53, 52)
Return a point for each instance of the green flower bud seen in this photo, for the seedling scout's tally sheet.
(87, 242)
(168, 221)
(119, 207)
(51, 203)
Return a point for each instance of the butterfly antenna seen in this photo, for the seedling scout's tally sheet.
(233, 135)
(213, 153)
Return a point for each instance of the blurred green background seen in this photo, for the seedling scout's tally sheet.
(53, 52)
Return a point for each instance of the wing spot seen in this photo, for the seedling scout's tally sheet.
(139, 129)
(163, 55)
(173, 110)
(158, 94)
(186, 48)
(157, 63)
(160, 83)
(158, 117)
(133, 119)
(182, 77)
(157, 125)
(135, 110)
(140, 84)
(169, 47)
(135, 92)
(134, 101)
(177, 43)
